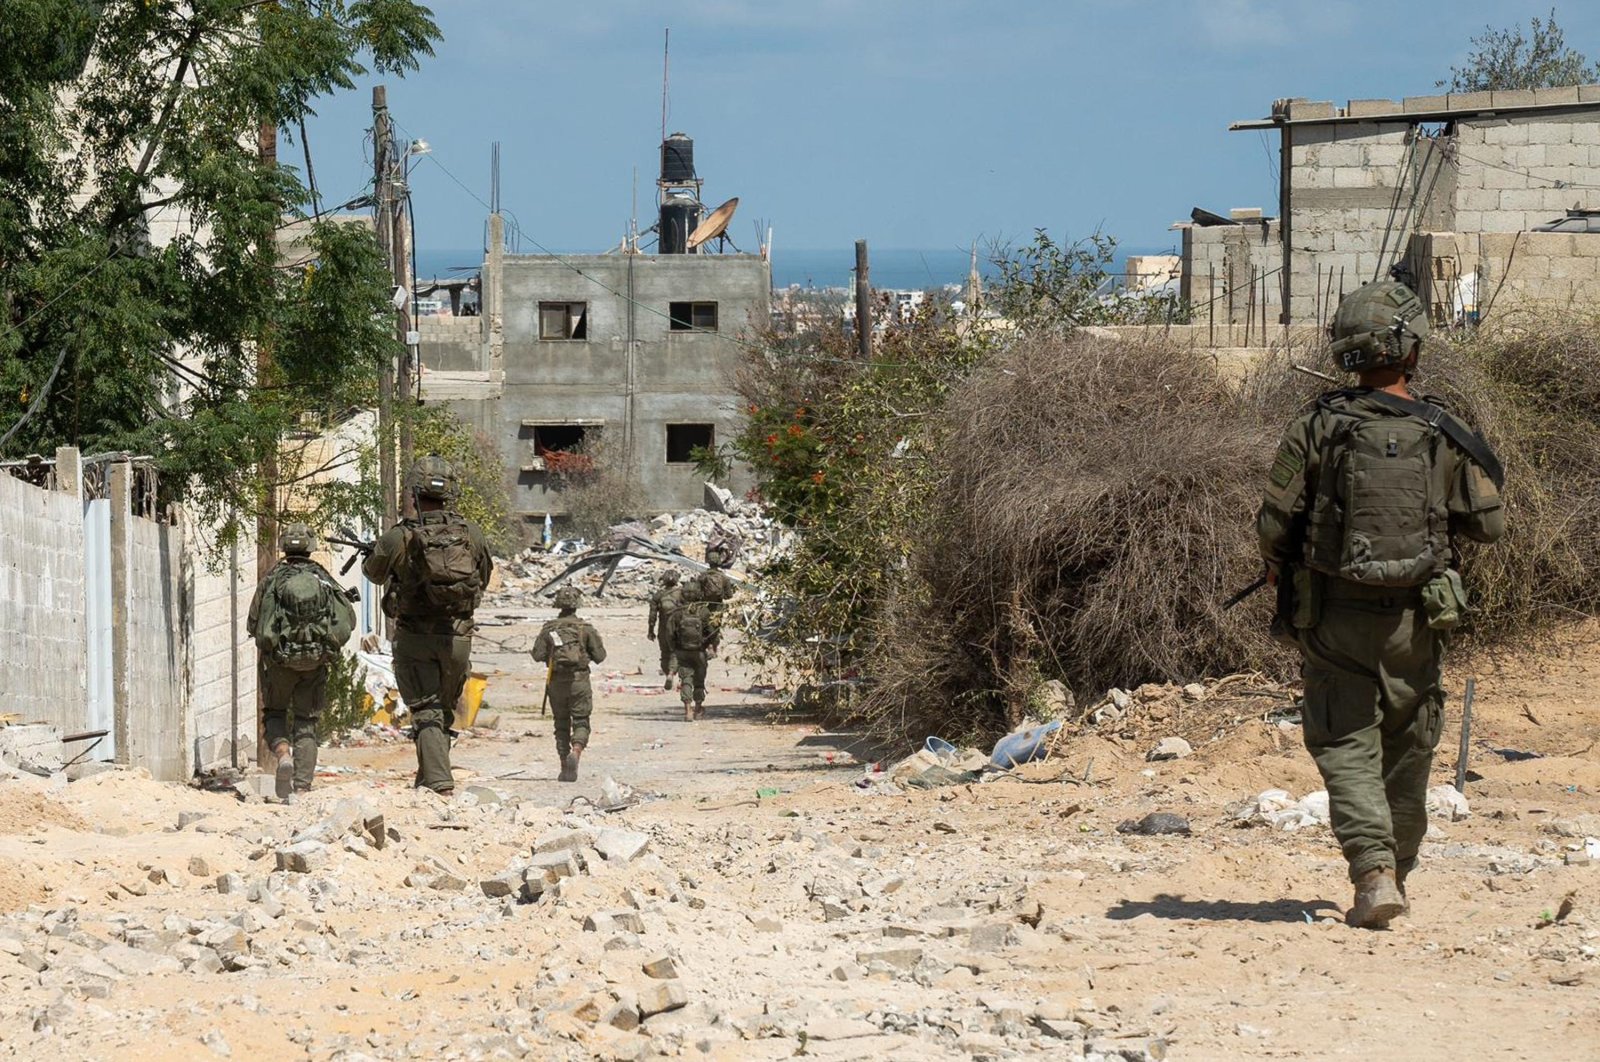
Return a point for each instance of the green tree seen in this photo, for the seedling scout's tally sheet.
(1505, 59)
(117, 115)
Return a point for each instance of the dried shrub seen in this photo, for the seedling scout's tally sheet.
(597, 493)
(1093, 512)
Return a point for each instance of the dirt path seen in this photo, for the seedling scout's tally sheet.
(1007, 919)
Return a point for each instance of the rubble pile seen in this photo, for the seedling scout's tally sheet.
(685, 534)
(1176, 719)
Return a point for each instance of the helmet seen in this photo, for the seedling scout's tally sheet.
(433, 477)
(1378, 326)
(568, 597)
(297, 540)
(670, 578)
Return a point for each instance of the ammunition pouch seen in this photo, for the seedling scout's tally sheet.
(1444, 597)
(1299, 605)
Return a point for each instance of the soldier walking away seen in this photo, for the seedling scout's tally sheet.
(1368, 495)
(300, 619)
(569, 645)
(663, 603)
(694, 632)
(434, 569)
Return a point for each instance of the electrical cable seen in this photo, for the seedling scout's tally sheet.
(38, 399)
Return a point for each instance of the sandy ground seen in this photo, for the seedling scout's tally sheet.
(832, 920)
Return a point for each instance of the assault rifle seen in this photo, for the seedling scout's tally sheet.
(347, 537)
(1246, 592)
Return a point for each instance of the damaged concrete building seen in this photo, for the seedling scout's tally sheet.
(1488, 202)
(633, 351)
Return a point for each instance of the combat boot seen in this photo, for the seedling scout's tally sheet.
(1378, 900)
(667, 685)
(688, 712)
(284, 778)
(699, 709)
(569, 764)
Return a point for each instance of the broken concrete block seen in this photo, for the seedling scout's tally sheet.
(269, 905)
(35, 745)
(505, 883)
(621, 1015)
(33, 960)
(833, 912)
(766, 924)
(230, 883)
(1172, 748)
(199, 867)
(304, 857)
(991, 937)
(609, 922)
(134, 962)
(137, 887)
(823, 1029)
(624, 942)
(563, 840)
(447, 882)
(206, 962)
(662, 968)
(189, 818)
(662, 996)
(899, 958)
(621, 846)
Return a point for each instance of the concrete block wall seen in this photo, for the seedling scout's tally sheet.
(151, 722)
(451, 344)
(216, 646)
(1516, 273)
(1220, 263)
(42, 606)
(1516, 173)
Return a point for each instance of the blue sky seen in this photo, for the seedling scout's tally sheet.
(911, 123)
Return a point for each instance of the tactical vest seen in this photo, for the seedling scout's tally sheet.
(1379, 509)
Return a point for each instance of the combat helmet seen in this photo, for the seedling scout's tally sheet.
(296, 540)
(568, 597)
(1380, 325)
(433, 477)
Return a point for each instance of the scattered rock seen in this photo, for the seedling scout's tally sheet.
(899, 958)
(198, 867)
(1155, 823)
(189, 818)
(218, 1043)
(506, 883)
(662, 968)
(563, 840)
(661, 996)
(621, 846)
(608, 923)
(766, 924)
(230, 883)
(1172, 748)
(303, 857)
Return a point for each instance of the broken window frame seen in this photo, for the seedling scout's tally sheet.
(707, 440)
(575, 315)
(692, 315)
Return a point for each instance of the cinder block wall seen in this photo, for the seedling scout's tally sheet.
(1219, 264)
(211, 660)
(1515, 173)
(153, 719)
(42, 610)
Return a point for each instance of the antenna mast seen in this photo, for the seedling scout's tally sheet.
(666, 55)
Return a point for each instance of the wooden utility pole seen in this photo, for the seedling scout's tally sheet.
(863, 303)
(383, 225)
(267, 521)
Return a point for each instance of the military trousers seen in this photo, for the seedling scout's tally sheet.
(669, 659)
(431, 670)
(301, 696)
(571, 704)
(692, 675)
(1374, 710)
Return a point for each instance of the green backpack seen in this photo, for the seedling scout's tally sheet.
(443, 566)
(300, 618)
(690, 628)
(1378, 515)
(566, 646)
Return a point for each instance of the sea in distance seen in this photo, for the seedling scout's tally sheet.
(895, 268)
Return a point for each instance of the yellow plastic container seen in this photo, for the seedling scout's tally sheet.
(471, 700)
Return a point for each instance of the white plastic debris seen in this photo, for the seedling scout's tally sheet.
(1276, 808)
(1447, 804)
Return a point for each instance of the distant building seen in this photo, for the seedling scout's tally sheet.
(636, 352)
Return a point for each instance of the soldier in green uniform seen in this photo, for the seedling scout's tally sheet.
(663, 603)
(300, 619)
(694, 632)
(434, 569)
(1369, 493)
(569, 645)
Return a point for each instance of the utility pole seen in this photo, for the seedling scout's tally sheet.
(863, 303)
(383, 226)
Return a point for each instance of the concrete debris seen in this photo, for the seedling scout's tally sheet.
(620, 846)
(1276, 808)
(230, 883)
(1156, 823)
(662, 968)
(198, 867)
(662, 996)
(564, 840)
(1444, 802)
(1172, 748)
(303, 857)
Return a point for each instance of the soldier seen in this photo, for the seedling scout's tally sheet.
(1367, 495)
(569, 645)
(663, 603)
(300, 619)
(434, 569)
(694, 632)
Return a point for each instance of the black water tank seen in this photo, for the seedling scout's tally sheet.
(680, 216)
(677, 158)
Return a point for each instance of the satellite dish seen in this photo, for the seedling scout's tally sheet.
(716, 224)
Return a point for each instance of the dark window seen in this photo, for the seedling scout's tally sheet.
(693, 316)
(560, 447)
(557, 438)
(684, 439)
(563, 320)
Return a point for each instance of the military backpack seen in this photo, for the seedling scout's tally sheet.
(690, 628)
(566, 647)
(443, 565)
(300, 616)
(1378, 515)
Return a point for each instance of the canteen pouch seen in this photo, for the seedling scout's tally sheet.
(1445, 599)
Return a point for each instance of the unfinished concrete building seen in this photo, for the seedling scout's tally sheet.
(1483, 199)
(632, 351)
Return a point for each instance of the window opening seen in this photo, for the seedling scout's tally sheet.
(684, 439)
(563, 320)
(693, 316)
